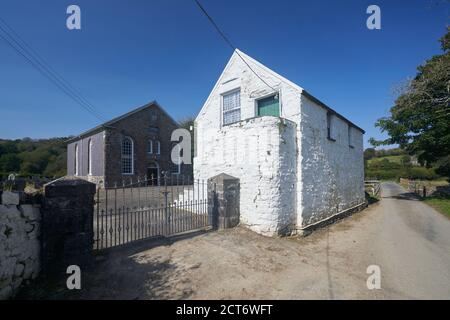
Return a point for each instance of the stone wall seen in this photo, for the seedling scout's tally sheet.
(223, 199)
(331, 178)
(261, 153)
(140, 130)
(47, 236)
(67, 224)
(19, 246)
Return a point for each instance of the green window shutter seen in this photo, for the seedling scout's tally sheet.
(268, 107)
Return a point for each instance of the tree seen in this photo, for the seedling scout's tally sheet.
(9, 163)
(406, 160)
(419, 120)
(369, 153)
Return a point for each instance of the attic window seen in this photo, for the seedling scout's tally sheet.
(153, 116)
(231, 107)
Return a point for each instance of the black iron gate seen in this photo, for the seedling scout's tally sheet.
(149, 207)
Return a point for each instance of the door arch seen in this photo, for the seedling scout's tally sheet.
(153, 174)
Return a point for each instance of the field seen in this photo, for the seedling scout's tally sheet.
(394, 159)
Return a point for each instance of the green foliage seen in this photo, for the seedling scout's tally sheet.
(9, 162)
(393, 167)
(369, 153)
(419, 120)
(443, 166)
(440, 202)
(43, 157)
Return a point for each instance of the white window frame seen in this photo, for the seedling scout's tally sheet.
(90, 157)
(236, 90)
(150, 146)
(76, 160)
(158, 147)
(131, 156)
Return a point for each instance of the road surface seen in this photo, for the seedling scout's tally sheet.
(410, 242)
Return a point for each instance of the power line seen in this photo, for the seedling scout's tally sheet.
(27, 52)
(44, 73)
(49, 68)
(230, 43)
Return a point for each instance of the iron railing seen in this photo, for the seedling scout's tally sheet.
(149, 207)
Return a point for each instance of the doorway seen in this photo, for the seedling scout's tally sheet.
(153, 175)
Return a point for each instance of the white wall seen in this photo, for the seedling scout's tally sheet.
(332, 175)
(304, 179)
(19, 247)
(261, 152)
(238, 75)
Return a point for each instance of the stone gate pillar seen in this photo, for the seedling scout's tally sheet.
(67, 223)
(223, 195)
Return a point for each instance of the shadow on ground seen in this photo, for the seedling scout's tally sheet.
(126, 272)
(405, 196)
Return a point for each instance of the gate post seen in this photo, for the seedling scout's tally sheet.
(223, 199)
(67, 223)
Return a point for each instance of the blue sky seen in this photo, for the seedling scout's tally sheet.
(131, 52)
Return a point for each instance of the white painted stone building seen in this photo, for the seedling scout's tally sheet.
(299, 162)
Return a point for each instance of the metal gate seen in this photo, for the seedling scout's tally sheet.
(141, 209)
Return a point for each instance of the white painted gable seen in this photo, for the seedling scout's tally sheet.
(238, 75)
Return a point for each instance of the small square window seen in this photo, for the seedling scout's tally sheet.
(269, 106)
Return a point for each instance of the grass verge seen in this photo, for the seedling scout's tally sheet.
(440, 202)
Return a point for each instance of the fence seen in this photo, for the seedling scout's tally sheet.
(424, 188)
(149, 207)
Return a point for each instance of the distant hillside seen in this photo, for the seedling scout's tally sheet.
(394, 159)
(33, 157)
(394, 163)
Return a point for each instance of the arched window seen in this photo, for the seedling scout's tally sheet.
(76, 160)
(150, 146)
(89, 157)
(158, 147)
(127, 156)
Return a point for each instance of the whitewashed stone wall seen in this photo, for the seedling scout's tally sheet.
(19, 247)
(261, 152)
(332, 173)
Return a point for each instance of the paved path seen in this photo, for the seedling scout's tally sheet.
(408, 240)
(411, 243)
